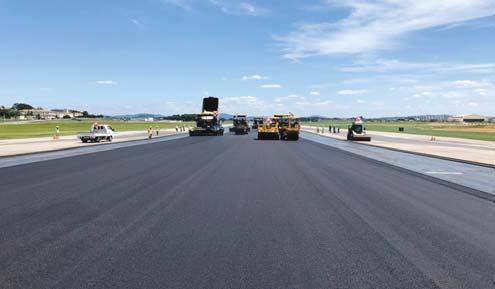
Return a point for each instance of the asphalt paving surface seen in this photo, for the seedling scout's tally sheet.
(233, 212)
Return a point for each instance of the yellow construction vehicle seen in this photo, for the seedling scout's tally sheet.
(240, 125)
(207, 122)
(288, 126)
(268, 129)
(257, 121)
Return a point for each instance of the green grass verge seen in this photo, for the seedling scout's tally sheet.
(14, 130)
(420, 128)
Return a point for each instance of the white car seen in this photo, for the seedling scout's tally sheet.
(97, 133)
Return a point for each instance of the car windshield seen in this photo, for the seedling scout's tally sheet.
(358, 128)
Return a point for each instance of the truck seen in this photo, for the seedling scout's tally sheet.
(257, 121)
(288, 126)
(97, 133)
(357, 131)
(268, 130)
(207, 122)
(240, 125)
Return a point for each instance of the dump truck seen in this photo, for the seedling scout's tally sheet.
(240, 125)
(288, 126)
(207, 122)
(268, 129)
(357, 132)
(257, 121)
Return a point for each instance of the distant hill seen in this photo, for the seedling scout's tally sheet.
(226, 116)
(138, 116)
(317, 116)
(313, 118)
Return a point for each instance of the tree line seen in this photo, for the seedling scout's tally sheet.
(181, 117)
(15, 111)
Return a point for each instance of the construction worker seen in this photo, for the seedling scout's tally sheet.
(176, 128)
(57, 132)
(157, 130)
(150, 132)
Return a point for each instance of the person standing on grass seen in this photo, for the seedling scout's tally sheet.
(157, 130)
(57, 132)
(176, 128)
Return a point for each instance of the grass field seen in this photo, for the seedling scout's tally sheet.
(13, 130)
(468, 131)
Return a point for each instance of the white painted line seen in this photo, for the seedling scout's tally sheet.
(444, 173)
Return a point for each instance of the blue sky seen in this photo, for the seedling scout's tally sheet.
(333, 58)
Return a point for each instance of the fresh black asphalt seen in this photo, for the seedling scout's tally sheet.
(233, 212)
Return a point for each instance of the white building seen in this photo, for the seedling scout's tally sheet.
(39, 113)
(468, 118)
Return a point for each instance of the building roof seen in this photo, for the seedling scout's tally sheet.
(473, 116)
(34, 110)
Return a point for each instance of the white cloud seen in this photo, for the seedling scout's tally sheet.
(284, 98)
(314, 93)
(270, 86)
(238, 100)
(137, 23)
(179, 3)
(445, 94)
(250, 9)
(379, 25)
(393, 65)
(472, 83)
(473, 104)
(481, 91)
(352, 91)
(241, 104)
(254, 77)
(106, 82)
(239, 8)
(423, 94)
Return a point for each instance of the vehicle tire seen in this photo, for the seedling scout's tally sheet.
(84, 140)
(110, 138)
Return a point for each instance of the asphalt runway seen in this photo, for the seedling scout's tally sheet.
(233, 212)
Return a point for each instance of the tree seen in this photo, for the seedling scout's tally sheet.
(4, 112)
(66, 116)
(181, 117)
(21, 106)
(85, 114)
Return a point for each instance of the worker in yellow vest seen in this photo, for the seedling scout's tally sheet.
(150, 132)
